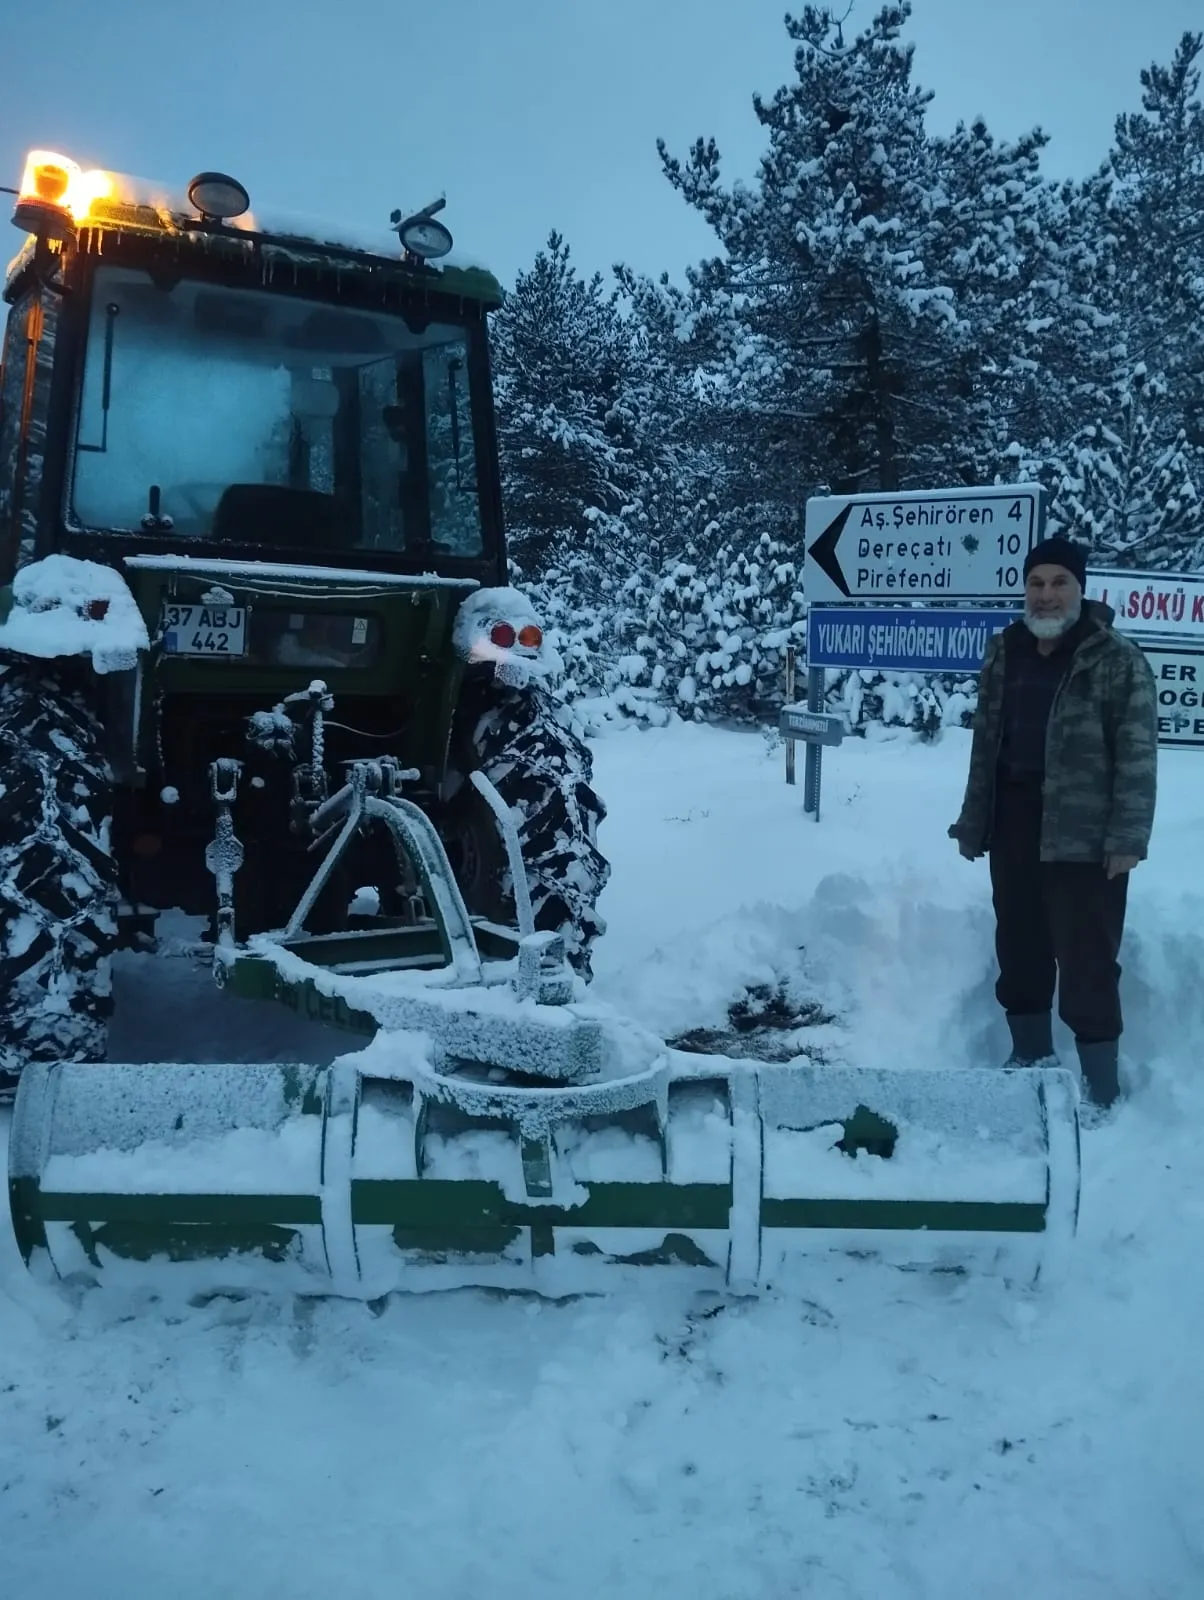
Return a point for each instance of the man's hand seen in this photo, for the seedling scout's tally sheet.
(967, 851)
(1115, 865)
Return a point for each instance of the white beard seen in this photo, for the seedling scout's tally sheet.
(1052, 627)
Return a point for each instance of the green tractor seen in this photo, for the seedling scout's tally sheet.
(259, 661)
(250, 536)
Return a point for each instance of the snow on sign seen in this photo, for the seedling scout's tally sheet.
(946, 544)
(1179, 674)
(1153, 604)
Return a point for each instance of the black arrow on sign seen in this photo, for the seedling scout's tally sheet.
(823, 551)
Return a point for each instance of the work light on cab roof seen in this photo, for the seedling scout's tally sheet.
(422, 238)
(218, 197)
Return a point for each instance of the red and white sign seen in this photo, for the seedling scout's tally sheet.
(1155, 604)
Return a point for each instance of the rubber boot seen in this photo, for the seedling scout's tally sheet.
(1032, 1038)
(1100, 1065)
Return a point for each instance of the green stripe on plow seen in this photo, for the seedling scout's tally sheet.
(452, 1202)
(226, 1210)
(936, 1216)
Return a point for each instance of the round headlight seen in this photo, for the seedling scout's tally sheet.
(218, 197)
(426, 238)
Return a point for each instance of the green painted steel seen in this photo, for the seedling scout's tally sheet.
(451, 1215)
(176, 1242)
(190, 1210)
(419, 1203)
(940, 1216)
(255, 978)
(415, 661)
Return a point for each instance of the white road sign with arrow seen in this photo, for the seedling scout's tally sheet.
(943, 544)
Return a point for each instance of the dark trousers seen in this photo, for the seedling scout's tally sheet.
(1055, 922)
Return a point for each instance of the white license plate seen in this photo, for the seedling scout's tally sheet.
(205, 630)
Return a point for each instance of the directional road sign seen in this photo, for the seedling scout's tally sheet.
(945, 544)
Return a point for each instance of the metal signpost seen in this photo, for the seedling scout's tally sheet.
(815, 728)
(789, 702)
(879, 575)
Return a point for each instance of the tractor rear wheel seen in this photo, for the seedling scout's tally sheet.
(58, 878)
(544, 773)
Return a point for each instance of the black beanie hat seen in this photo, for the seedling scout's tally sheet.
(1059, 552)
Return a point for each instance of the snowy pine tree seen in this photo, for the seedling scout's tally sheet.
(719, 618)
(861, 320)
(1157, 212)
(562, 360)
(1130, 498)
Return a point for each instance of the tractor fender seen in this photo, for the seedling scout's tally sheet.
(61, 606)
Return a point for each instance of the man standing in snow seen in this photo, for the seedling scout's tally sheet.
(1063, 774)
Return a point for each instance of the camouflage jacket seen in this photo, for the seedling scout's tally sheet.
(1101, 750)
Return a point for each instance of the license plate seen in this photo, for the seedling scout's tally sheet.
(205, 630)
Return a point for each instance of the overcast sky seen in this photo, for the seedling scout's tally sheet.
(530, 114)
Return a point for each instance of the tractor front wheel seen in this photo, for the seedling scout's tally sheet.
(58, 878)
(544, 773)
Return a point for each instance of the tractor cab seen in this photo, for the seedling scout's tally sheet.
(179, 380)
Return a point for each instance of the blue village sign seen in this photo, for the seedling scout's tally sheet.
(908, 639)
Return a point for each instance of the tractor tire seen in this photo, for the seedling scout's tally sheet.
(543, 771)
(58, 878)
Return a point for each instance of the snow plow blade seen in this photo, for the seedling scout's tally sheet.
(395, 1170)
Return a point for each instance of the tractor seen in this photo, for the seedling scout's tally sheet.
(251, 536)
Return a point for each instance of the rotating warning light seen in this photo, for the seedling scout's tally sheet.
(56, 195)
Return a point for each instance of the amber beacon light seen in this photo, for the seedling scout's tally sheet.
(56, 195)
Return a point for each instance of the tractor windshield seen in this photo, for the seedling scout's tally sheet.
(252, 417)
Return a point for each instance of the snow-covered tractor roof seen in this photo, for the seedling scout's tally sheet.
(60, 201)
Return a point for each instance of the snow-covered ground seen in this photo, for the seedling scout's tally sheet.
(887, 1436)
